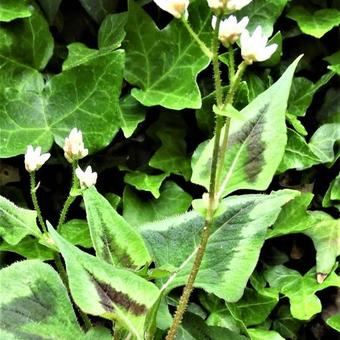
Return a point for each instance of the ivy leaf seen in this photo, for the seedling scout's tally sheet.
(34, 304)
(98, 9)
(173, 200)
(164, 63)
(16, 223)
(172, 156)
(285, 324)
(233, 247)
(29, 248)
(316, 23)
(85, 96)
(300, 289)
(255, 148)
(112, 31)
(262, 12)
(334, 322)
(14, 9)
(330, 109)
(263, 334)
(332, 196)
(145, 182)
(334, 60)
(50, 8)
(32, 35)
(114, 240)
(100, 289)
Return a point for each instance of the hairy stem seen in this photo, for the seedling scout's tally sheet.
(200, 43)
(231, 68)
(35, 201)
(183, 302)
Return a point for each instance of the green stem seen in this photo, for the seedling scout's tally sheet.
(69, 199)
(231, 68)
(200, 43)
(35, 201)
(224, 145)
(183, 302)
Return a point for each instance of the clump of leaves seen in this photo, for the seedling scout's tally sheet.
(202, 151)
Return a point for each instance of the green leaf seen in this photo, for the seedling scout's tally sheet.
(98, 332)
(164, 64)
(132, 113)
(296, 124)
(14, 9)
(334, 322)
(315, 23)
(145, 182)
(77, 232)
(233, 247)
(333, 194)
(330, 110)
(114, 240)
(255, 148)
(254, 307)
(28, 248)
(263, 334)
(100, 289)
(16, 223)
(172, 156)
(34, 304)
(172, 201)
(27, 41)
(302, 92)
(112, 31)
(98, 9)
(300, 289)
(323, 141)
(285, 324)
(334, 60)
(50, 8)
(228, 111)
(262, 12)
(85, 96)
(298, 154)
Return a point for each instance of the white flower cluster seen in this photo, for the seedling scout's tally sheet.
(74, 150)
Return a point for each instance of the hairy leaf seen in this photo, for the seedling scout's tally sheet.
(34, 304)
(114, 240)
(100, 289)
(255, 148)
(16, 223)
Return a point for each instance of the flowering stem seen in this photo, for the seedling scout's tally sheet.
(183, 302)
(35, 201)
(69, 199)
(231, 68)
(200, 43)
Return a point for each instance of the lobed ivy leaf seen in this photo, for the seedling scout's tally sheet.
(316, 23)
(14, 9)
(164, 64)
(114, 240)
(255, 148)
(32, 35)
(100, 289)
(262, 12)
(233, 247)
(334, 61)
(173, 200)
(145, 182)
(34, 304)
(16, 223)
(300, 289)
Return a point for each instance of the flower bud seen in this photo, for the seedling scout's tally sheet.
(254, 48)
(74, 146)
(86, 178)
(34, 159)
(177, 8)
(230, 30)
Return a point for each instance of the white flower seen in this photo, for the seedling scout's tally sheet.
(86, 178)
(74, 146)
(177, 8)
(253, 48)
(34, 159)
(230, 30)
(228, 5)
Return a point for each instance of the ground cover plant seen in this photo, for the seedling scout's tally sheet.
(169, 169)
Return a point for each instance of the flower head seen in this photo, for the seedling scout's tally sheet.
(177, 8)
(227, 5)
(86, 178)
(254, 48)
(230, 30)
(34, 159)
(74, 146)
